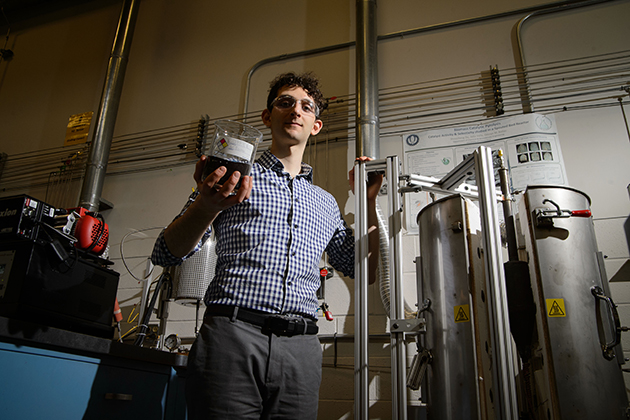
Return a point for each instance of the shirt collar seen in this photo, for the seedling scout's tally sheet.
(269, 161)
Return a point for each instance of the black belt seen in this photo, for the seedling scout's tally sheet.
(284, 325)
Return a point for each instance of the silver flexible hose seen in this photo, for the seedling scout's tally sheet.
(383, 266)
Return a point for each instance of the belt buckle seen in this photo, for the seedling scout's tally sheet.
(283, 325)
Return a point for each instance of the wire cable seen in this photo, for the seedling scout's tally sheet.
(122, 252)
(563, 85)
(144, 325)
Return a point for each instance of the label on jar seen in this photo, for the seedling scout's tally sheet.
(235, 147)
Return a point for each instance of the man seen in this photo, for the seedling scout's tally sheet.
(257, 354)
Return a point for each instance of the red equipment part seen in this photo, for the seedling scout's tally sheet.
(117, 313)
(91, 231)
(326, 311)
(581, 213)
(118, 318)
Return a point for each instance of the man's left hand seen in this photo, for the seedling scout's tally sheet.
(373, 183)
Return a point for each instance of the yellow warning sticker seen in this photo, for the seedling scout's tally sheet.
(462, 313)
(555, 308)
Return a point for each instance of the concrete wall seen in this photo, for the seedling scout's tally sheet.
(192, 57)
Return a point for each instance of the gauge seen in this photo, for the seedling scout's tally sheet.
(172, 342)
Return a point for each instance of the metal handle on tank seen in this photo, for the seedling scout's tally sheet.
(545, 216)
(418, 369)
(607, 348)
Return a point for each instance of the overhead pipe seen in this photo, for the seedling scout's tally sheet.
(282, 57)
(526, 98)
(393, 35)
(96, 169)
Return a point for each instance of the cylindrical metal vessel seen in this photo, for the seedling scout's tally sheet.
(192, 278)
(458, 383)
(569, 375)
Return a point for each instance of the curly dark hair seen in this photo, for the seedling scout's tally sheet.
(307, 81)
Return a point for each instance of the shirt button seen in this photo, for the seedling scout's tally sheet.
(293, 253)
(289, 283)
(295, 226)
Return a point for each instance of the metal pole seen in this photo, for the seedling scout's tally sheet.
(367, 122)
(361, 363)
(108, 108)
(366, 145)
(503, 368)
(397, 307)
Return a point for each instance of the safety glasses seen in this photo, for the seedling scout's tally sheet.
(285, 102)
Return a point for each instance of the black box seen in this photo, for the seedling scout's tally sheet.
(20, 217)
(36, 285)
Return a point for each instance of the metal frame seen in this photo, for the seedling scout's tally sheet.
(391, 166)
(503, 368)
(361, 362)
(479, 162)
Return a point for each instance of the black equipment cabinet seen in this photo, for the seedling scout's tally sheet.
(71, 293)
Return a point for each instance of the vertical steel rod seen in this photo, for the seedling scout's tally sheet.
(361, 364)
(503, 368)
(397, 306)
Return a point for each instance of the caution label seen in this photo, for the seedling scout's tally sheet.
(462, 313)
(555, 308)
(78, 128)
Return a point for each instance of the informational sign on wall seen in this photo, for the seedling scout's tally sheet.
(529, 143)
(78, 128)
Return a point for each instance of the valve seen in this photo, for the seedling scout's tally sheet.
(326, 310)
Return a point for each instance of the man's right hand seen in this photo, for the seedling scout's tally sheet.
(216, 198)
(183, 234)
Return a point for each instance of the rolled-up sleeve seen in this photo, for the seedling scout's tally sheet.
(340, 249)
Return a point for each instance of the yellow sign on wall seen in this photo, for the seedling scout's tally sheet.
(78, 128)
(555, 308)
(462, 313)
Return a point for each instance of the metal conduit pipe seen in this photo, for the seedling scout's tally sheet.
(282, 57)
(96, 169)
(367, 122)
(393, 35)
(525, 95)
(366, 145)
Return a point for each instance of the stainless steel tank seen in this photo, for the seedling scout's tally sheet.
(574, 370)
(458, 381)
(192, 278)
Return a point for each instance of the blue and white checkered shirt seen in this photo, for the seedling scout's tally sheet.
(269, 247)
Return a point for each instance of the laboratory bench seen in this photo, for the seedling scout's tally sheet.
(50, 373)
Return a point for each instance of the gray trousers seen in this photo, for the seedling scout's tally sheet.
(237, 372)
